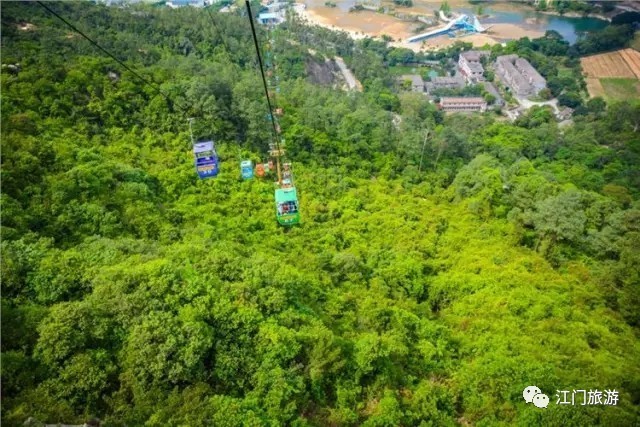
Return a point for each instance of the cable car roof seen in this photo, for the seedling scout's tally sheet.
(286, 195)
(202, 146)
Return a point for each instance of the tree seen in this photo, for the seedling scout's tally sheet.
(555, 86)
(627, 17)
(570, 99)
(545, 94)
(535, 117)
(560, 218)
(610, 38)
(445, 8)
(489, 75)
(400, 56)
(139, 294)
(490, 98)
(596, 105)
(172, 351)
(625, 115)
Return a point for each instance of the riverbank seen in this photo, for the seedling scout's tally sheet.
(512, 31)
(575, 15)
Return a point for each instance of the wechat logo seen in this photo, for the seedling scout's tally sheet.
(533, 394)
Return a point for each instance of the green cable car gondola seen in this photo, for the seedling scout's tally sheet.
(287, 211)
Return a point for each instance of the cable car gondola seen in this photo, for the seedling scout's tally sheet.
(246, 169)
(206, 159)
(287, 212)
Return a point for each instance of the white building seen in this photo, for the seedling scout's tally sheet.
(463, 104)
(272, 18)
(470, 66)
(444, 83)
(181, 3)
(519, 75)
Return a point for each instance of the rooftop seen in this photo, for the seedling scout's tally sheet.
(509, 58)
(446, 80)
(515, 75)
(286, 195)
(528, 69)
(461, 100)
(202, 146)
(476, 66)
(269, 15)
(473, 55)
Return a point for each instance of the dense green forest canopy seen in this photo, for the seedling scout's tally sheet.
(443, 263)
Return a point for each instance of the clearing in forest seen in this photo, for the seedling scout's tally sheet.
(620, 89)
(607, 73)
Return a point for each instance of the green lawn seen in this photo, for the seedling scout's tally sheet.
(564, 71)
(621, 89)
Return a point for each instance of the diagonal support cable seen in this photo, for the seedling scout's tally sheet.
(109, 54)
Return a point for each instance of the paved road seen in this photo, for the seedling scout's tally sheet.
(528, 104)
(348, 76)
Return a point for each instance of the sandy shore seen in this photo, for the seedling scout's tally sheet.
(512, 31)
(314, 18)
(478, 40)
(494, 35)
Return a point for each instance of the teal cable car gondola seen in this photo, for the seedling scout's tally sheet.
(246, 169)
(287, 211)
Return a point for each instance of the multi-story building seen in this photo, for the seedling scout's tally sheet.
(517, 74)
(463, 104)
(532, 76)
(470, 66)
(444, 83)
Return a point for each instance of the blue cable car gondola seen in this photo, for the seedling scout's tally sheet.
(246, 168)
(206, 159)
